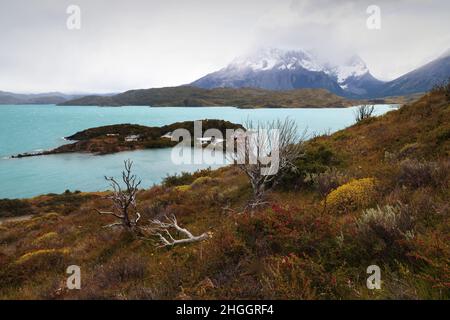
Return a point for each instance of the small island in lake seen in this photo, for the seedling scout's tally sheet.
(127, 137)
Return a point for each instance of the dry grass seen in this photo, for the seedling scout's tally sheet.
(291, 249)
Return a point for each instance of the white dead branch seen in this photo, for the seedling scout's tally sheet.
(162, 230)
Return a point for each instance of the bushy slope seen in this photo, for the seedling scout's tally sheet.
(375, 193)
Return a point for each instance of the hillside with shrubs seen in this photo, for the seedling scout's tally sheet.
(376, 193)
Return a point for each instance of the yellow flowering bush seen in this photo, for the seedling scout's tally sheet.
(52, 215)
(183, 188)
(202, 180)
(47, 253)
(352, 195)
(46, 237)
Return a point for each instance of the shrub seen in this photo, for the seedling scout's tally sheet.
(42, 260)
(416, 174)
(386, 230)
(46, 237)
(292, 277)
(388, 222)
(283, 230)
(203, 181)
(65, 203)
(178, 179)
(364, 112)
(351, 196)
(15, 208)
(121, 269)
(183, 188)
(318, 158)
(327, 181)
(273, 230)
(184, 178)
(443, 87)
(51, 216)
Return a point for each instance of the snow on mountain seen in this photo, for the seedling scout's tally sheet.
(277, 69)
(354, 67)
(272, 58)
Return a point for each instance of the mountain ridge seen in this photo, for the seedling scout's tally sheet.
(421, 79)
(275, 69)
(190, 96)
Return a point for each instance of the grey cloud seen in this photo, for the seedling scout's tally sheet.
(141, 43)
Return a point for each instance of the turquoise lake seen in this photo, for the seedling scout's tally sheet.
(30, 128)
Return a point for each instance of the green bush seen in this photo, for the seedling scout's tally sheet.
(318, 158)
(184, 178)
(14, 208)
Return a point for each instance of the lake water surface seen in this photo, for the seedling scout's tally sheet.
(40, 127)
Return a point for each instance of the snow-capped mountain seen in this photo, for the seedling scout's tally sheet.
(277, 69)
(354, 78)
(272, 58)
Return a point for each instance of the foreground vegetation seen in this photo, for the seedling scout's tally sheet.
(373, 194)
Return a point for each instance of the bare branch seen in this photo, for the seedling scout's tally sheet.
(364, 112)
(161, 229)
(124, 205)
(265, 153)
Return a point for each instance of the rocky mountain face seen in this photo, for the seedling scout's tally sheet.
(276, 69)
(421, 79)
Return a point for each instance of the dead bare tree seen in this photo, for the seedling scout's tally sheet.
(124, 205)
(364, 112)
(162, 230)
(265, 153)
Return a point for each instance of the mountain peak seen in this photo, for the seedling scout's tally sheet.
(352, 67)
(278, 69)
(274, 58)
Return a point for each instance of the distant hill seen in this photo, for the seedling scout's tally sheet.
(421, 79)
(37, 98)
(41, 98)
(196, 97)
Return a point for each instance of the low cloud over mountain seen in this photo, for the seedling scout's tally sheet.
(277, 69)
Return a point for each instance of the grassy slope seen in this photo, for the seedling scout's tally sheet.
(294, 249)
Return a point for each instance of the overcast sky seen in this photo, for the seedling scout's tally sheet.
(146, 43)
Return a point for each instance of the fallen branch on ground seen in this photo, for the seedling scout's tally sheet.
(162, 231)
